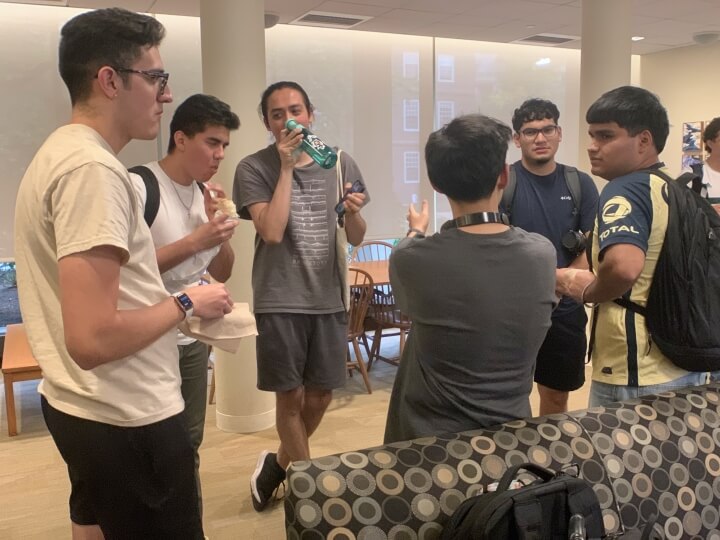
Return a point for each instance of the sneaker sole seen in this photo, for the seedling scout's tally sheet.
(257, 503)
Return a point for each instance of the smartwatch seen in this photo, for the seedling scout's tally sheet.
(185, 303)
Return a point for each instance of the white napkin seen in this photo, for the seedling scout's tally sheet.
(225, 332)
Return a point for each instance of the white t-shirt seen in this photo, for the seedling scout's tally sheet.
(173, 223)
(75, 196)
(711, 178)
(711, 181)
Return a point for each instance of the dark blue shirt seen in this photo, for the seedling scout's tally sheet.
(544, 205)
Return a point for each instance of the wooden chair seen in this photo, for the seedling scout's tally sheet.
(386, 315)
(372, 251)
(383, 313)
(361, 293)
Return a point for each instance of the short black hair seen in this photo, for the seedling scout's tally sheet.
(711, 132)
(112, 37)
(199, 112)
(534, 109)
(466, 156)
(635, 110)
(262, 108)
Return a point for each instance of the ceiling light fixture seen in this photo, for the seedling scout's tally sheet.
(705, 38)
(637, 38)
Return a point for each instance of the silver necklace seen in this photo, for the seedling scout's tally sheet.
(187, 207)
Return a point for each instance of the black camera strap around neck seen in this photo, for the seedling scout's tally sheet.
(478, 218)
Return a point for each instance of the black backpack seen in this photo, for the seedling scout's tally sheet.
(541, 510)
(152, 188)
(683, 306)
(572, 180)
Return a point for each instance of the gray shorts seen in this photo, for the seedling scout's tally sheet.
(298, 349)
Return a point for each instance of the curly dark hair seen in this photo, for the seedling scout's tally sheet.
(534, 109)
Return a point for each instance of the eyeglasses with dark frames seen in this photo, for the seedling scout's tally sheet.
(547, 131)
(154, 75)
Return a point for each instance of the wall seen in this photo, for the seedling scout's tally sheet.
(687, 81)
(358, 80)
(34, 101)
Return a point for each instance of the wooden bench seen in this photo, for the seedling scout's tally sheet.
(18, 364)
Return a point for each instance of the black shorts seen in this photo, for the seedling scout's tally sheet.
(134, 482)
(298, 349)
(561, 358)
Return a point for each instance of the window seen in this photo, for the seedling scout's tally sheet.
(411, 115)
(9, 305)
(411, 65)
(411, 167)
(446, 68)
(445, 112)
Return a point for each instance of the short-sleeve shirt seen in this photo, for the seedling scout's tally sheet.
(480, 306)
(710, 180)
(174, 221)
(300, 274)
(544, 205)
(633, 210)
(76, 196)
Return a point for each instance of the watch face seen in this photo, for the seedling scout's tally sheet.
(185, 301)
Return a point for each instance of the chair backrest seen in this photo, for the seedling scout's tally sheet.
(374, 250)
(361, 294)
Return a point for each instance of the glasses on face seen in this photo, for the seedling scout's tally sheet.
(547, 131)
(153, 75)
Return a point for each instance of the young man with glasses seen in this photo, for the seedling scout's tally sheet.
(99, 321)
(559, 203)
(190, 239)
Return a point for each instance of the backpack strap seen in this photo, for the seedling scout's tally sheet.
(572, 179)
(623, 301)
(508, 196)
(528, 518)
(152, 190)
(692, 180)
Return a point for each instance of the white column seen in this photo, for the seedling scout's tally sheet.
(604, 58)
(233, 64)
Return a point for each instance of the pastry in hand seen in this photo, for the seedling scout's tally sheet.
(226, 206)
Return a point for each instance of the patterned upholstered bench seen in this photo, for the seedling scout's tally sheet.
(653, 455)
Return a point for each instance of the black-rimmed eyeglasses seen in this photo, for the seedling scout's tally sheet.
(547, 131)
(154, 75)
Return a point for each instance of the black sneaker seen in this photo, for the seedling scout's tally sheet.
(266, 479)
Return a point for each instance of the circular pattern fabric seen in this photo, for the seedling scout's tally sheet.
(654, 455)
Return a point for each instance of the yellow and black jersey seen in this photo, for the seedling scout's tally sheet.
(633, 209)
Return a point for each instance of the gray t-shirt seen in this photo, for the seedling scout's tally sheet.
(480, 307)
(299, 275)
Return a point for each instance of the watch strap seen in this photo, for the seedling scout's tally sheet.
(186, 305)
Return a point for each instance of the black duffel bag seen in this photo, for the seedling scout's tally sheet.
(538, 511)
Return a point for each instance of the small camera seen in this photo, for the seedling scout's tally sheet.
(357, 187)
(574, 241)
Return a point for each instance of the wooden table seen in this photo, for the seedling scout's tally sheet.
(18, 364)
(379, 270)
